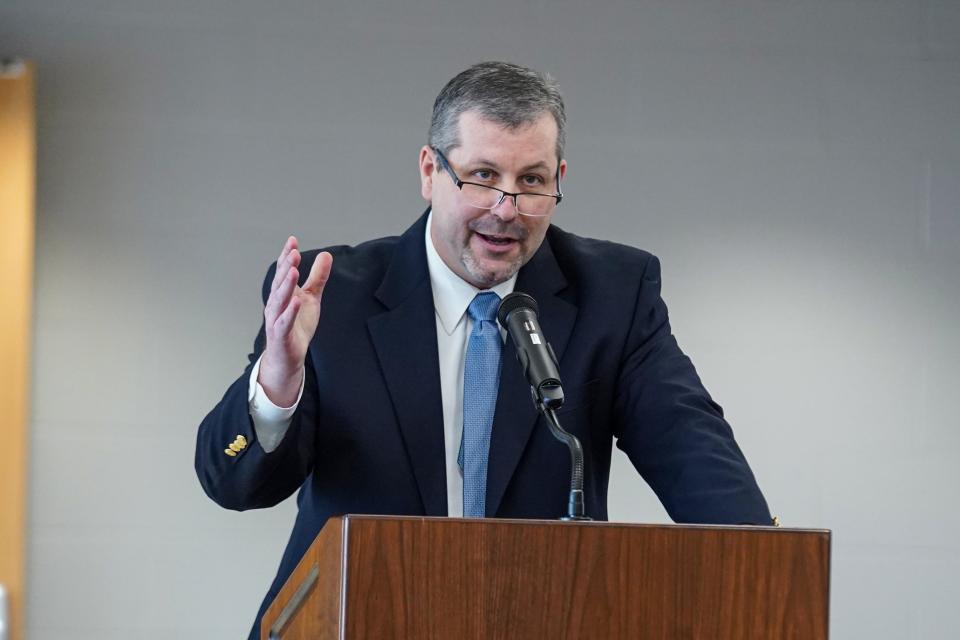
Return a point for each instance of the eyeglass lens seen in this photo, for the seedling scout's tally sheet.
(527, 203)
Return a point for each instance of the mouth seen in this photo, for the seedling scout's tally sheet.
(496, 243)
(496, 239)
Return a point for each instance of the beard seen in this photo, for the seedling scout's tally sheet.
(490, 275)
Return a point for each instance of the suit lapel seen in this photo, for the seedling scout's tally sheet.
(405, 339)
(515, 415)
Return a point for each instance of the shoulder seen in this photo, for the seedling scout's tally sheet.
(367, 261)
(590, 260)
(359, 267)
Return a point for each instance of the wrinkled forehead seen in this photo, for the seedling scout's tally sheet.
(526, 145)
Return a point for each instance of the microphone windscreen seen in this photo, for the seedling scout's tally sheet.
(514, 301)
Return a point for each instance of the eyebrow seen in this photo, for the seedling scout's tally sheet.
(530, 167)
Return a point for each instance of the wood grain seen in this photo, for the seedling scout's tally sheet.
(454, 578)
(319, 617)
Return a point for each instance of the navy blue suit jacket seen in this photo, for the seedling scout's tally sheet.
(367, 436)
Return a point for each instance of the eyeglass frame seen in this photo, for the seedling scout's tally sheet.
(503, 194)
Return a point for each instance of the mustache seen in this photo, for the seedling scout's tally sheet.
(493, 226)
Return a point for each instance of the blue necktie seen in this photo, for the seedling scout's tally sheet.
(481, 378)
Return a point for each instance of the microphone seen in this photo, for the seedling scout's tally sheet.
(518, 315)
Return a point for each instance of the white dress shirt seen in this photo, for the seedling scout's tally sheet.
(451, 297)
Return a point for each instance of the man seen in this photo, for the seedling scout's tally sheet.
(401, 397)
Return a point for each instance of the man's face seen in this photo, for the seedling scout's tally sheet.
(488, 246)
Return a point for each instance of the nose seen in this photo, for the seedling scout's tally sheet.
(507, 209)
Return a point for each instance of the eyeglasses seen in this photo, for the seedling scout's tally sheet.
(485, 197)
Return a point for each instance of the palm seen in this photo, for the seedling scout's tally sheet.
(306, 322)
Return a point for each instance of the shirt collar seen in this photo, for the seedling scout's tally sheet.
(451, 293)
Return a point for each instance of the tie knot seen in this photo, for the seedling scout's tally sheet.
(484, 307)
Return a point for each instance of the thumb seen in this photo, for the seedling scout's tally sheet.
(319, 274)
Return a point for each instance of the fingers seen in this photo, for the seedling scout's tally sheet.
(290, 244)
(284, 302)
(319, 274)
(289, 257)
(279, 299)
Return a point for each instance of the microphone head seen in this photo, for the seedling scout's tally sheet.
(514, 301)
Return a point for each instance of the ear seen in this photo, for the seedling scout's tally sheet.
(563, 169)
(427, 171)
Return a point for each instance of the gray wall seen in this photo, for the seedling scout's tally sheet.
(796, 166)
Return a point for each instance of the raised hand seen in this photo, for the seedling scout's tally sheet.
(290, 319)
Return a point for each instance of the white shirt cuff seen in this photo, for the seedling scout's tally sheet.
(269, 421)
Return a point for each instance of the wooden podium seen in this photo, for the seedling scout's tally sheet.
(371, 577)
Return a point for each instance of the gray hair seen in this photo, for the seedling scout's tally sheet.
(505, 93)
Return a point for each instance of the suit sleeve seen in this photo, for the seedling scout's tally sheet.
(254, 478)
(672, 430)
